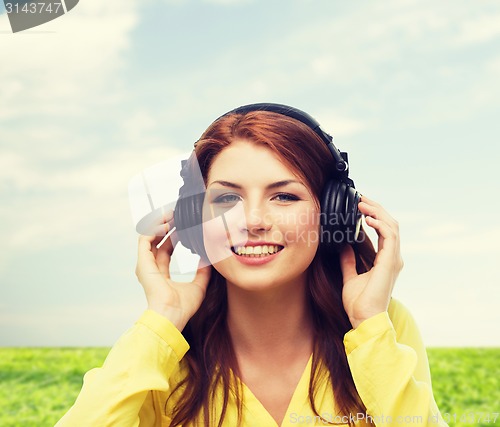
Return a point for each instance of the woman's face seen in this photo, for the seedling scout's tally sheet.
(261, 222)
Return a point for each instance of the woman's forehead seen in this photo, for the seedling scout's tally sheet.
(243, 157)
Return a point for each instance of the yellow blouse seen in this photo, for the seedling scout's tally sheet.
(385, 353)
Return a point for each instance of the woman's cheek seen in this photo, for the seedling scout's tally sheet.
(220, 232)
(303, 229)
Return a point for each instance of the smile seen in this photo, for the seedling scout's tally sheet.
(256, 251)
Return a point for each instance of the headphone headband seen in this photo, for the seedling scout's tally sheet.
(341, 163)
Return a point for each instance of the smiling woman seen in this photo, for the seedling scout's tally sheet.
(283, 322)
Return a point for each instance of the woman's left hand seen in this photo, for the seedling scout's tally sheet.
(365, 295)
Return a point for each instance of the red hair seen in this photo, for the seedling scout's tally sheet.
(211, 357)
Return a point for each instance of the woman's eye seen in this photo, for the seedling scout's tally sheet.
(286, 197)
(227, 198)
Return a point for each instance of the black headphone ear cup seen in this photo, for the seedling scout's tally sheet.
(340, 206)
(326, 199)
(339, 234)
(327, 216)
(352, 214)
(340, 217)
(188, 219)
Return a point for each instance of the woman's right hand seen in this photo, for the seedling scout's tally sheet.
(177, 301)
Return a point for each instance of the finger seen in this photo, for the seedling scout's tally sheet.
(202, 277)
(383, 279)
(163, 257)
(145, 257)
(167, 216)
(373, 206)
(383, 229)
(369, 201)
(161, 229)
(375, 210)
(168, 242)
(384, 225)
(348, 263)
(386, 261)
(164, 251)
(145, 243)
(388, 241)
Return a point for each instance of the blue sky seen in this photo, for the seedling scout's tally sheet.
(409, 88)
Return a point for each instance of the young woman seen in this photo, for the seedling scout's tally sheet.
(280, 330)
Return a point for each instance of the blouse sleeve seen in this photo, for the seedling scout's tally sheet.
(119, 393)
(390, 369)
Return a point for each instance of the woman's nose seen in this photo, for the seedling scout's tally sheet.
(257, 218)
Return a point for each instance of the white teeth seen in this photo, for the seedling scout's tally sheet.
(256, 250)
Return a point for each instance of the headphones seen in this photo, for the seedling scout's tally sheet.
(340, 219)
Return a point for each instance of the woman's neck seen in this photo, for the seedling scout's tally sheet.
(276, 322)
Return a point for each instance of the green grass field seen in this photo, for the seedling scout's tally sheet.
(37, 386)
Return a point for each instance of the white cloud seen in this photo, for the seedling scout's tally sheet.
(494, 65)
(338, 124)
(480, 29)
(50, 82)
(455, 239)
(61, 69)
(71, 205)
(449, 229)
(104, 175)
(448, 316)
(389, 31)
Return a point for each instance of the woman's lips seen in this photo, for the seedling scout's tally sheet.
(256, 250)
(256, 254)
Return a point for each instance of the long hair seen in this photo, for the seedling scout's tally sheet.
(211, 357)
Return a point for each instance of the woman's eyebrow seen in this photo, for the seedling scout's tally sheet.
(271, 186)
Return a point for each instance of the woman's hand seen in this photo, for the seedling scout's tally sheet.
(177, 301)
(365, 295)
